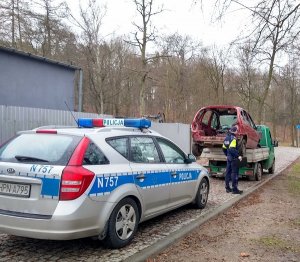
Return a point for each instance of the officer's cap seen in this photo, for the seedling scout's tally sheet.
(233, 130)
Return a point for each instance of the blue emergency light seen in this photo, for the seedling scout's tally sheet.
(114, 122)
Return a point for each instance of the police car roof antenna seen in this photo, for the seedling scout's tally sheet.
(72, 114)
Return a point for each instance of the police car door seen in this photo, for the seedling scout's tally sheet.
(151, 175)
(183, 176)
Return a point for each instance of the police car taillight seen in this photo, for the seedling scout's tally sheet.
(74, 182)
(76, 179)
(114, 122)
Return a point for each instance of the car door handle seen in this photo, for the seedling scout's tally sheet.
(141, 176)
(174, 174)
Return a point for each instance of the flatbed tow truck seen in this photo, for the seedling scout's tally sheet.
(259, 159)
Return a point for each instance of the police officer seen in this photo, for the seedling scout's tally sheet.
(230, 149)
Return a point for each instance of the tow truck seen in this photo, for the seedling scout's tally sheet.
(258, 159)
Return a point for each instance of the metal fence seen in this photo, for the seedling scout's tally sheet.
(14, 119)
(177, 132)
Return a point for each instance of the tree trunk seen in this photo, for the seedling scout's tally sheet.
(19, 25)
(13, 34)
(269, 79)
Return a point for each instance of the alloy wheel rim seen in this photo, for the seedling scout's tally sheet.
(125, 222)
(203, 193)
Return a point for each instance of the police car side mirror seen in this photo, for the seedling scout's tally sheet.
(190, 159)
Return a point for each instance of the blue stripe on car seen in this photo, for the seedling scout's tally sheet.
(104, 184)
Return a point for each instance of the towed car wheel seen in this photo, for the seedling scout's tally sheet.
(202, 194)
(122, 224)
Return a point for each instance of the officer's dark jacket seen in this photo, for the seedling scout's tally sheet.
(230, 147)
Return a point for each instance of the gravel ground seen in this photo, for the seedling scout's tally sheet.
(14, 248)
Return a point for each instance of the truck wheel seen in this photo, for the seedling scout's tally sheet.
(259, 172)
(202, 194)
(197, 150)
(122, 224)
(272, 168)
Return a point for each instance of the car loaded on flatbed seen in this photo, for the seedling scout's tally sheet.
(257, 159)
(211, 124)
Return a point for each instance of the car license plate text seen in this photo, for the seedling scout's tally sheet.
(12, 189)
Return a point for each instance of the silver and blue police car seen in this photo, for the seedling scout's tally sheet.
(101, 179)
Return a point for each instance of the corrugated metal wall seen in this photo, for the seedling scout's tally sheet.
(14, 119)
(30, 82)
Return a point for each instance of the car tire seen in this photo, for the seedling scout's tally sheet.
(122, 224)
(259, 172)
(197, 150)
(202, 194)
(272, 168)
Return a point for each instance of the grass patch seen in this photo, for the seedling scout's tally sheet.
(295, 171)
(294, 179)
(296, 222)
(294, 185)
(275, 242)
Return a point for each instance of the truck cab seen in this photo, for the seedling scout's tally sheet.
(267, 141)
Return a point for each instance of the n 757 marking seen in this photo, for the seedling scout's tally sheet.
(111, 181)
(41, 169)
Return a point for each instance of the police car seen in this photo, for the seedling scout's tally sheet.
(101, 179)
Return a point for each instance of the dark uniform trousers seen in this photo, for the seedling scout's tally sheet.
(232, 173)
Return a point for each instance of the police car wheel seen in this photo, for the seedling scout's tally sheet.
(122, 224)
(202, 194)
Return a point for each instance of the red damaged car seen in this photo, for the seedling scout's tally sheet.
(211, 124)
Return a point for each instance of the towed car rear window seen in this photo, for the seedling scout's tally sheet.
(39, 148)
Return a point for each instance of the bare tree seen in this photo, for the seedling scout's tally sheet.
(248, 77)
(178, 52)
(276, 27)
(215, 67)
(13, 16)
(290, 78)
(144, 34)
(49, 22)
(96, 52)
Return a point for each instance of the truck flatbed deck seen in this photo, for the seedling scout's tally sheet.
(253, 155)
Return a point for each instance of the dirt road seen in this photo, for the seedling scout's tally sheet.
(262, 227)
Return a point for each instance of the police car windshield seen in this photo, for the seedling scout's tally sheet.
(31, 148)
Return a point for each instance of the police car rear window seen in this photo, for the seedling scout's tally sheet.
(119, 144)
(39, 148)
(94, 156)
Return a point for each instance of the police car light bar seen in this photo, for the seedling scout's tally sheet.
(114, 122)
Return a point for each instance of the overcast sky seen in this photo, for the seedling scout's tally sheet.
(179, 16)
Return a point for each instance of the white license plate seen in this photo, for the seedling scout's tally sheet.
(20, 190)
